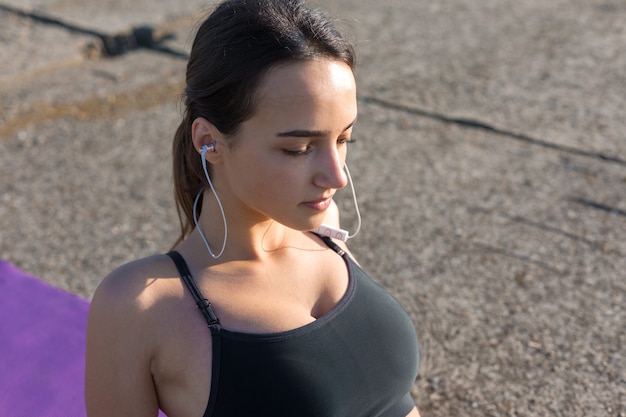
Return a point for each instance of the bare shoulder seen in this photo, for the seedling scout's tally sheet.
(134, 285)
(121, 340)
(124, 297)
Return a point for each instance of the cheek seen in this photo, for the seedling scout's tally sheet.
(277, 183)
(269, 180)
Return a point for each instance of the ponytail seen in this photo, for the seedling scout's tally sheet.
(188, 176)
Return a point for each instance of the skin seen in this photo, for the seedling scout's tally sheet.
(146, 343)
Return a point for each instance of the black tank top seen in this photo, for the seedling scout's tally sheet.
(358, 360)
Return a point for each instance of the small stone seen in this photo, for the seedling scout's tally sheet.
(434, 397)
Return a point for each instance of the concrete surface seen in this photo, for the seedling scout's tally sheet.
(490, 168)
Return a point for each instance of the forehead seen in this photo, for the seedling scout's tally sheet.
(311, 95)
(312, 92)
(317, 77)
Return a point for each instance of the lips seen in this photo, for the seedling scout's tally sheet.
(321, 204)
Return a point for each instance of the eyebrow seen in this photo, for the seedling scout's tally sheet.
(303, 133)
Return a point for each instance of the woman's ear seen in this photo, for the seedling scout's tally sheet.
(204, 133)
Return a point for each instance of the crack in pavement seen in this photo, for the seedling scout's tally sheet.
(477, 124)
(598, 206)
(144, 36)
(597, 245)
(520, 256)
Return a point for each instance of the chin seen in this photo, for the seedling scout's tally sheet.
(303, 226)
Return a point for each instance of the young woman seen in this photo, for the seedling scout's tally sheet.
(252, 313)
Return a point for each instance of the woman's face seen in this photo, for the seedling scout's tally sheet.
(288, 159)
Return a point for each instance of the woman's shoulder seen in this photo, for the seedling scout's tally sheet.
(124, 337)
(137, 284)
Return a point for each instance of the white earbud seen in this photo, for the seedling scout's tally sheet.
(208, 148)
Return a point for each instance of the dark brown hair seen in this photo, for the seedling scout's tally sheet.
(234, 48)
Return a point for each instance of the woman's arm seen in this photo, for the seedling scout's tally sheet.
(118, 381)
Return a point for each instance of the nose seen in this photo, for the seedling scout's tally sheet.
(329, 169)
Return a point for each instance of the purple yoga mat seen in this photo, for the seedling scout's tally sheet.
(42, 347)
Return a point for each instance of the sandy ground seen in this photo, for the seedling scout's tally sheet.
(490, 167)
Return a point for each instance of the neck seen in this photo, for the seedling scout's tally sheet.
(248, 238)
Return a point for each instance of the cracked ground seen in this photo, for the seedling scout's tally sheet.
(490, 168)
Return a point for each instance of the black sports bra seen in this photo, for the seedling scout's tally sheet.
(358, 360)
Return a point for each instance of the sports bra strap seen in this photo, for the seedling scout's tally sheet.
(203, 304)
(214, 325)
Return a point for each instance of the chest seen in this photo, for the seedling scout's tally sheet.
(359, 359)
(182, 368)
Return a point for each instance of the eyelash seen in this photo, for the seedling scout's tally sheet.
(308, 148)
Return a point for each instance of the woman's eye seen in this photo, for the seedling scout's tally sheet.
(307, 149)
(297, 152)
